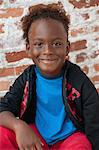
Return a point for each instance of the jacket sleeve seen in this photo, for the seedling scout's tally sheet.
(90, 100)
(11, 101)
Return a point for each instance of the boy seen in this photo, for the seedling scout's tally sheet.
(56, 104)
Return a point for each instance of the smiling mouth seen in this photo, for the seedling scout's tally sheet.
(48, 60)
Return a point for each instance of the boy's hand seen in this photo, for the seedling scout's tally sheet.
(26, 138)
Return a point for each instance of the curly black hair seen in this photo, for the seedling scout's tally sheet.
(54, 11)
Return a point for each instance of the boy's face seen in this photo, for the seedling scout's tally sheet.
(48, 45)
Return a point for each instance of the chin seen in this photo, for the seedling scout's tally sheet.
(49, 72)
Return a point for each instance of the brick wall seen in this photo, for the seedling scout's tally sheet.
(83, 35)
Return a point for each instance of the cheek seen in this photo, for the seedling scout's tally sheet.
(34, 53)
(63, 57)
(62, 54)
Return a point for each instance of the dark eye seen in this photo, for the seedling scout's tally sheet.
(38, 44)
(57, 44)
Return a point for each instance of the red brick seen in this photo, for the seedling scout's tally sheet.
(75, 32)
(95, 79)
(20, 69)
(13, 12)
(4, 85)
(97, 39)
(96, 66)
(94, 54)
(1, 28)
(12, 1)
(1, 1)
(85, 69)
(97, 12)
(78, 45)
(16, 56)
(1, 45)
(81, 57)
(83, 3)
(85, 16)
(96, 29)
(6, 72)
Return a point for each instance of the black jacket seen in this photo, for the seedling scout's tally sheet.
(80, 98)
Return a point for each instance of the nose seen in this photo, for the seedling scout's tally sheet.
(48, 49)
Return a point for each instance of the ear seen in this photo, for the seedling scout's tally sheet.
(66, 57)
(28, 50)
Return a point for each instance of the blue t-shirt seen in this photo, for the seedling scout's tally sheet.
(51, 119)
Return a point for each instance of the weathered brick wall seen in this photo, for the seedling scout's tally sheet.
(83, 35)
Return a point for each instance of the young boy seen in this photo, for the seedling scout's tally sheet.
(52, 104)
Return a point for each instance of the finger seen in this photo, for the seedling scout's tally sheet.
(33, 148)
(21, 148)
(42, 143)
(38, 146)
(27, 148)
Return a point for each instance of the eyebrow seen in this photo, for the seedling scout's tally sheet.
(54, 38)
